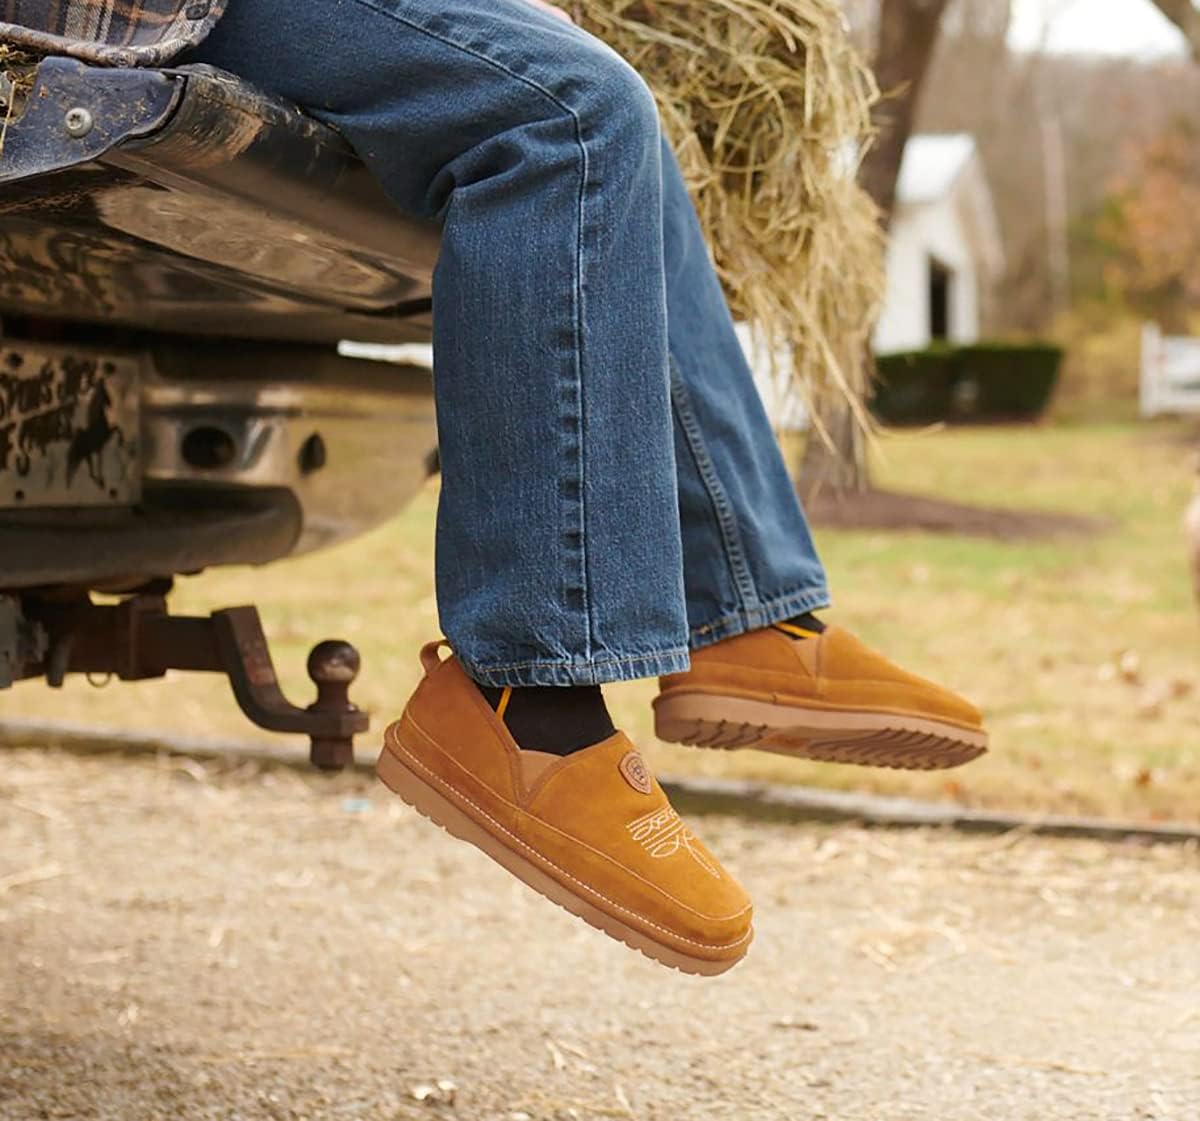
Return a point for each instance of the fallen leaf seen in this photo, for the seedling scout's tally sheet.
(1152, 703)
(1130, 667)
(441, 1092)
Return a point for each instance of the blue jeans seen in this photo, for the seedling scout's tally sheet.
(612, 492)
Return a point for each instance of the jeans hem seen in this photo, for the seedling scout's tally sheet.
(763, 615)
(590, 671)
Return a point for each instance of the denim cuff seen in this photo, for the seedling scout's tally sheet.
(591, 671)
(755, 618)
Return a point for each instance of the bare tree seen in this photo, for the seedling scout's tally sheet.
(906, 35)
(1186, 16)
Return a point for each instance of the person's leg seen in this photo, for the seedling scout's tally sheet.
(750, 565)
(748, 555)
(559, 554)
(559, 559)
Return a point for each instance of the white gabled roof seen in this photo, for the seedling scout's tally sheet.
(947, 167)
(932, 164)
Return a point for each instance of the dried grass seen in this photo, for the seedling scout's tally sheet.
(767, 102)
(17, 69)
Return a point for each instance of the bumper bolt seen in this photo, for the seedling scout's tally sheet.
(78, 122)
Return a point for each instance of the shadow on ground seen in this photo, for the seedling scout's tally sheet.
(891, 510)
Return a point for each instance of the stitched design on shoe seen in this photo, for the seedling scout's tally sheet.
(635, 772)
(662, 834)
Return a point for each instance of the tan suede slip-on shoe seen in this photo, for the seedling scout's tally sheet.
(829, 697)
(592, 831)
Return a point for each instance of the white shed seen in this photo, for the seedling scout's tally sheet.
(945, 250)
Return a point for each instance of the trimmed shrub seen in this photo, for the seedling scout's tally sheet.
(1015, 380)
(916, 386)
(986, 381)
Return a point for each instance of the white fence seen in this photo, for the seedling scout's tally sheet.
(1170, 374)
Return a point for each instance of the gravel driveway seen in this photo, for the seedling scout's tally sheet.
(183, 941)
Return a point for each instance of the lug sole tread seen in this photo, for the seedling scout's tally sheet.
(894, 749)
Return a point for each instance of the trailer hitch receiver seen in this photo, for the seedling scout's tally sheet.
(138, 639)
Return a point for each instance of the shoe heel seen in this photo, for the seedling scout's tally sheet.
(415, 792)
(689, 719)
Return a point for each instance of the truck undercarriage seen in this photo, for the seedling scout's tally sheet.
(180, 258)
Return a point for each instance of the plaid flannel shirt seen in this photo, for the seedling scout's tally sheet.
(117, 32)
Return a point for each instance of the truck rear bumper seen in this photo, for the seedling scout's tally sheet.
(185, 201)
(217, 454)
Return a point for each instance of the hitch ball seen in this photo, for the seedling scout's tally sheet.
(333, 666)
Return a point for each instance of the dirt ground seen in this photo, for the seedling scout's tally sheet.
(184, 941)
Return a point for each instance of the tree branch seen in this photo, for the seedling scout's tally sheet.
(907, 35)
(1184, 15)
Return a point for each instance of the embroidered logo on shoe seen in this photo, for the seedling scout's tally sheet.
(635, 772)
(662, 834)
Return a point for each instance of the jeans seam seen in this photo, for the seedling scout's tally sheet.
(731, 540)
(580, 411)
(580, 502)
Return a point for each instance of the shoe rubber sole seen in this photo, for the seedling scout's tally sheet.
(430, 803)
(862, 738)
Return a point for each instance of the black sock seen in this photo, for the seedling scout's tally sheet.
(550, 718)
(802, 626)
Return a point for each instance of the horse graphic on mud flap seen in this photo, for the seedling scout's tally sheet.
(88, 443)
(68, 432)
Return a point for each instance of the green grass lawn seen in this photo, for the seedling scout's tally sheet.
(1034, 632)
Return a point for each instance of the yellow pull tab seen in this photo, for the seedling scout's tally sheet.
(429, 654)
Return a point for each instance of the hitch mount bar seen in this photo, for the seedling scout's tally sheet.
(138, 638)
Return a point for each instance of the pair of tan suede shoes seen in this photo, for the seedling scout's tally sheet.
(594, 832)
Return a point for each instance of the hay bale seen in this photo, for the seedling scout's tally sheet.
(767, 103)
